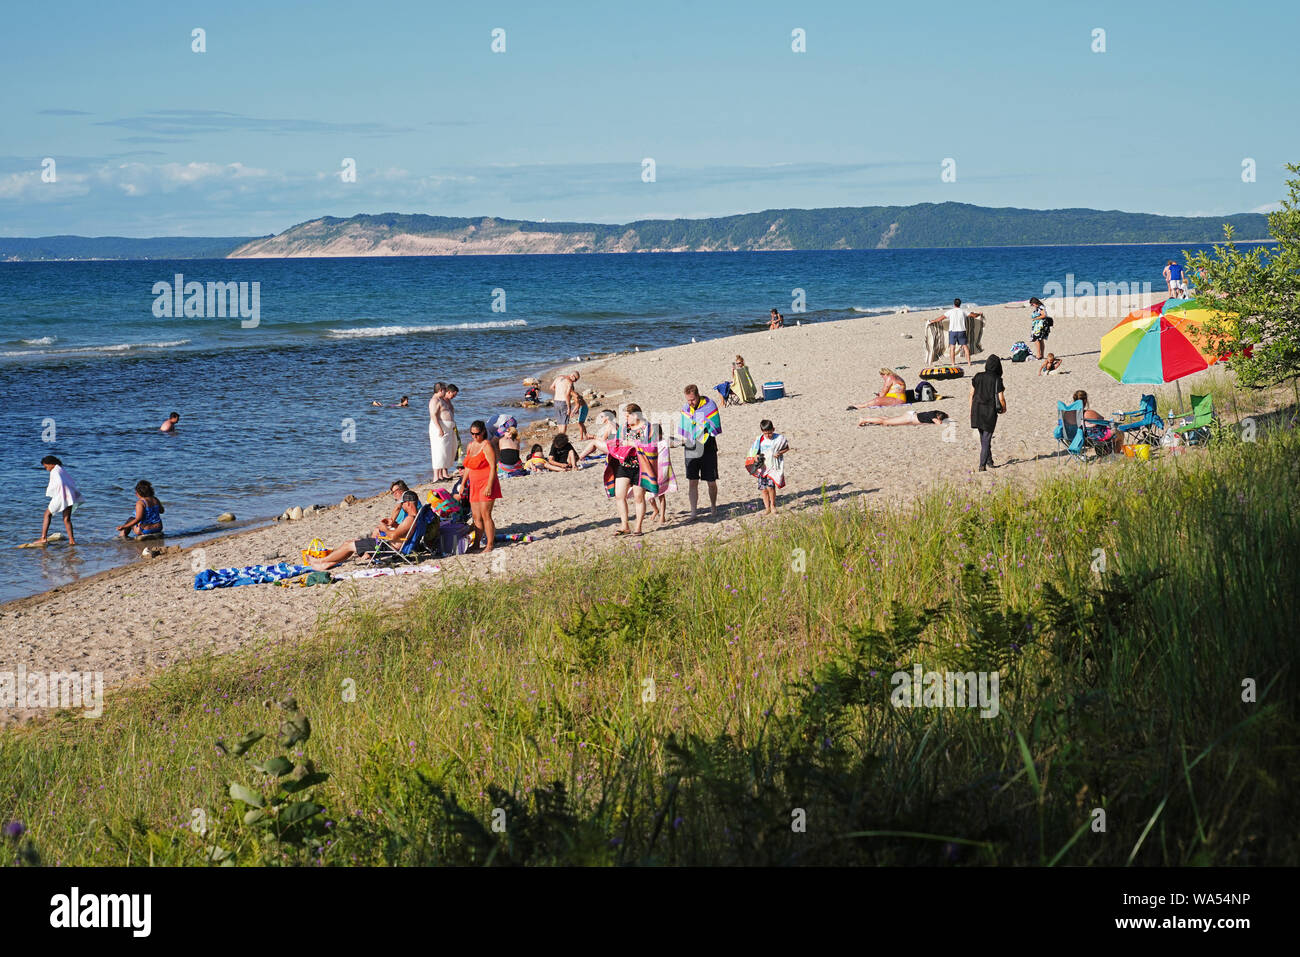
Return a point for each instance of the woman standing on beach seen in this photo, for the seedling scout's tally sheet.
(987, 400)
(443, 438)
(623, 469)
(484, 486)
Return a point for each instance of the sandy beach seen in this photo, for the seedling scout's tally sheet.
(131, 621)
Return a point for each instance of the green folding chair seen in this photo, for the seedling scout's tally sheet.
(1194, 426)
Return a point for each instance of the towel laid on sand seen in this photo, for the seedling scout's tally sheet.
(62, 491)
(211, 578)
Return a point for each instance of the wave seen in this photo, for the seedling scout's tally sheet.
(117, 348)
(371, 332)
(42, 341)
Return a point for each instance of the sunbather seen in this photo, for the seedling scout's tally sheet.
(393, 530)
(893, 391)
(933, 417)
(538, 462)
(1050, 364)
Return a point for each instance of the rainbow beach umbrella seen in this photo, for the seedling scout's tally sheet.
(1158, 344)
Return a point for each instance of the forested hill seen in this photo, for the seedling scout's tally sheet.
(925, 225)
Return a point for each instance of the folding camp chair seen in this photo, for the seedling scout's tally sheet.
(420, 543)
(1075, 439)
(1068, 432)
(1195, 426)
(1143, 425)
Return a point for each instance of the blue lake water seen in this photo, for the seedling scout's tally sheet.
(263, 408)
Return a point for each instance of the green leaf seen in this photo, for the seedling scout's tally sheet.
(293, 785)
(241, 793)
(216, 853)
(277, 766)
(294, 730)
(253, 816)
(247, 741)
(299, 811)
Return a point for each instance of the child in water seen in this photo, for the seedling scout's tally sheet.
(148, 514)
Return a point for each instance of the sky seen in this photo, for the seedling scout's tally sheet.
(1032, 106)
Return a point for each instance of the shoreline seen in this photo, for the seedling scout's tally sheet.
(129, 621)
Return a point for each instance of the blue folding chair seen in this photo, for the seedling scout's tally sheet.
(420, 543)
(1143, 424)
(1069, 434)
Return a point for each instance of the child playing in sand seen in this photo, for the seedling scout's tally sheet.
(767, 456)
(538, 462)
(1050, 364)
(148, 514)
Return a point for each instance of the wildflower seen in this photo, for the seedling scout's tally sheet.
(15, 829)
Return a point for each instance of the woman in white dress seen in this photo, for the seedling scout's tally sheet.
(443, 438)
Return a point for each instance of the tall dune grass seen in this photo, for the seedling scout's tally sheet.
(731, 704)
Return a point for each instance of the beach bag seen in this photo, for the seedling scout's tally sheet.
(924, 392)
(454, 538)
(754, 464)
(315, 549)
(1019, 352)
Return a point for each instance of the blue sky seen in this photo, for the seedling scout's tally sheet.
(151, 138)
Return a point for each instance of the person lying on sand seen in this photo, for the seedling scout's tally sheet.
(1050, 364)
(893, 391)
(408, 507)
(538, 462)
(933, 417)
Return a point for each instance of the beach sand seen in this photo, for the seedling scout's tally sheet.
(129, 622)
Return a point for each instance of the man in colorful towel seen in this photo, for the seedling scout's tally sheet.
(701, 424)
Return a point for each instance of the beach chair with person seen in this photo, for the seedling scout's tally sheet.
(419, 543)
(1076, 435)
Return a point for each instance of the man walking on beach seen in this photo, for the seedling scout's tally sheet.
(562, 388)
(957, 336)
(1174, 273)
(701, 426)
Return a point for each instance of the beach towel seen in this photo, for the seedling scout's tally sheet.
(936, 338)
(624, 449)
(700, 424)
(385, 572)
(62, 491)
(667, 480)
(742, 385)
(772, 450)
(511, 471)
(211, 578)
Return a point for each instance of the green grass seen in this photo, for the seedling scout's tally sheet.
(1122, 609)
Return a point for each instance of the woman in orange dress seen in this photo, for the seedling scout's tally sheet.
(484, 486)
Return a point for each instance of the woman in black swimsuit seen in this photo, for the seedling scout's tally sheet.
(933, 417)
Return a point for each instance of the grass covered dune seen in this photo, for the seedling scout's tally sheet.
(732, 704)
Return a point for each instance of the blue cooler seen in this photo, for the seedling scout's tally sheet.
(773, 390)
